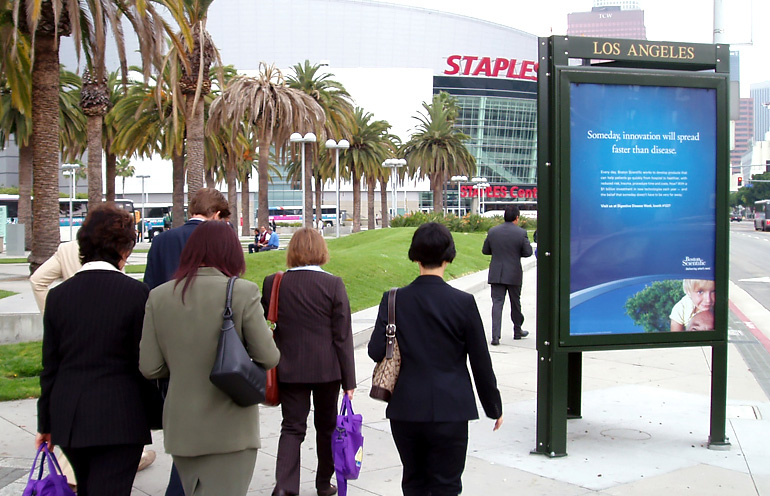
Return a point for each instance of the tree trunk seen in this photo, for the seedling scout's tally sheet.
(371, 182)
(45, 146)
(318, 198)
(25, 192)
(356, 202)
(245, 210)
(194, 145)
(264, 157)
(210, 181)
(94, 160)
(384, 203)
(111, 170)
(232, 192)
(177, 195)
(435, 186)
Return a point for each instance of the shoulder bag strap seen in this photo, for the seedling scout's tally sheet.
(390, 330)
(228, 314)
(272, 309)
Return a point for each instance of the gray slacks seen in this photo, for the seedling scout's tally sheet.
(222, 474)
(498, 300)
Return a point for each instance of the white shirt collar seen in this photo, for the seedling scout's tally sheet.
(98, 265)
(315, 268)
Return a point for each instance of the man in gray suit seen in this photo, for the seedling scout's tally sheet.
(507, 243)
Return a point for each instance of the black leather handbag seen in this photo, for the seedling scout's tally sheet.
(234, 371)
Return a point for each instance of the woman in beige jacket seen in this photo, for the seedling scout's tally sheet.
(213, 441)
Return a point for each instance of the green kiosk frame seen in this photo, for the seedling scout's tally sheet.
(633, 178)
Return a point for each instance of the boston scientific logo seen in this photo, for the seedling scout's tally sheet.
(694, 263)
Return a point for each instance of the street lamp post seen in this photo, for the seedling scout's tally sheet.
(459, 180)
(141, 225)
(307, 138)
(394, 163)
(476, 181)
(333, 145)
(481, 188)
(69, 170)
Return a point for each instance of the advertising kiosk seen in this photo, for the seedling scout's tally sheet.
(633, 202)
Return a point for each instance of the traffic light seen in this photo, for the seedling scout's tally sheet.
(740, 181)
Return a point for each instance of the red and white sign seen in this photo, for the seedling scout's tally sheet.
(501, 191)
(468, 65)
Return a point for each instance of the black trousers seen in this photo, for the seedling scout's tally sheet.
(498, 300)
(102, 470)
(295, 407)
(433, 456)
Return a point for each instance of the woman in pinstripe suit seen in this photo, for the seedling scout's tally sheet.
(315, 337)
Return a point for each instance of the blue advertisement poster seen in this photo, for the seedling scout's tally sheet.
(642, 208)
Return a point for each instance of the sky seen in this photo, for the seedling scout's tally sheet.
(747, 23)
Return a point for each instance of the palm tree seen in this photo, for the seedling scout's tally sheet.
(124, 169)
(369, 146)
(194, 51)
(46, 21)
(337, 107)
(438, 149)
(271, 110)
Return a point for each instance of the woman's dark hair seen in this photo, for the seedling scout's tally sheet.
(432, 245)
(106, 235)
(212, 244)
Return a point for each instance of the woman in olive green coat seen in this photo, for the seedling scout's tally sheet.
(213, 441)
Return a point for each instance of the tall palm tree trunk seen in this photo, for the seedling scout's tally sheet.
(384, 203)
(210, 181)
(356, 202)
(436, 184)
(246, 211)
(45, 146)
(195, 145)
(111, 172)
(264, 157)
(25, 192)
(94, 160)
(371, 183)
(177, 195)
(232, 192)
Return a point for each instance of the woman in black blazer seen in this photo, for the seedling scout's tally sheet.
(92, 400)
(438, 328)
(315, 336)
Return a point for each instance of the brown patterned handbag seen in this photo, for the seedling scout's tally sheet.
(386, 371)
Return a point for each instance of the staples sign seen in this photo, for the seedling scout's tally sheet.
(468, 65)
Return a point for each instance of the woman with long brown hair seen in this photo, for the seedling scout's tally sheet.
(213, 441)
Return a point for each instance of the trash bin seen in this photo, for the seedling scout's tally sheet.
(14, 240)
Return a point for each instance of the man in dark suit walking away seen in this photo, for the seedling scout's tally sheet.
(507, 243)
(163, 261)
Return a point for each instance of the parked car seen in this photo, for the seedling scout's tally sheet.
(736, 218)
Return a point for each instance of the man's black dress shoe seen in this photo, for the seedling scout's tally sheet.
(495, 342)
(330, 491)
(281, 492)
(523, 334)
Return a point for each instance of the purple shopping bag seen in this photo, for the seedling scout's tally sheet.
(347, 445)
(53, 484)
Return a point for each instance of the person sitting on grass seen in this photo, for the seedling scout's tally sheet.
(273, 242)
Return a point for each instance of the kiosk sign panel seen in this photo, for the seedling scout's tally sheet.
(642, 228)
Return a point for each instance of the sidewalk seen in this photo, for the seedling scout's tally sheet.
(644, 428)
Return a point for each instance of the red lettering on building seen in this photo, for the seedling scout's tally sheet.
(491, 67)
(500, 191)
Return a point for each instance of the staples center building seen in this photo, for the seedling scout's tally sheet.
(391, 59)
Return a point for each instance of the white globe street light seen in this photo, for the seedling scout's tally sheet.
(394, 163)
(307, 138)
(70, 170)
(481, 188)
(142, 225)
(333, 145)
(459, 180)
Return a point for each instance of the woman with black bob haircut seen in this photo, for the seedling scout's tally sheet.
(438, 329)
(93, 400)
(213, 443)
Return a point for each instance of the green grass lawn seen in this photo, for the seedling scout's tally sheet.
(20, 366)
(6, 294)
(13, 260)
(370, 263)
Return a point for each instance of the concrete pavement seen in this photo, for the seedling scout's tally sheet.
(644, 428)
